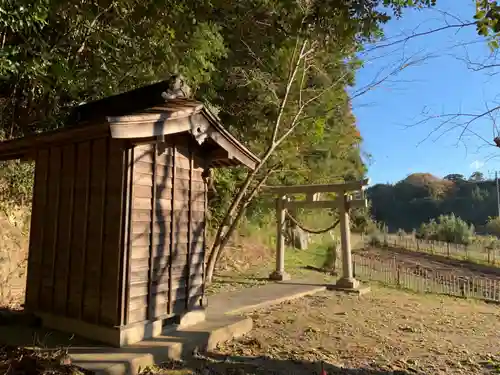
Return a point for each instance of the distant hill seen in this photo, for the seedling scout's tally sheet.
(422, 196)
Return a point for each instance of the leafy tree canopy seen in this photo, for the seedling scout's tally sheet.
(455, 177)
(58, 53)
(476, 176)
(236, 55)
(417, 200)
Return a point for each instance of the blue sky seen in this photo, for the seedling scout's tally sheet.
(440, 83)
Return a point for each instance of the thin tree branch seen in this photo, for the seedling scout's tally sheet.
(289, 85)
(419, 34)
(245, 204)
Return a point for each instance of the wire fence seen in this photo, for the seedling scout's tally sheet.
(424, 280)
(474, 252)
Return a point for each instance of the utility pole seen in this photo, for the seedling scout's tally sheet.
(498, 194)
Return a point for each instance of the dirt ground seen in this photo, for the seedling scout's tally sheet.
(385, 332)
(13, 261)
(412, 259)
(18, 361)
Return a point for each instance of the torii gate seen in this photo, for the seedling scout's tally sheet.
(344, 202)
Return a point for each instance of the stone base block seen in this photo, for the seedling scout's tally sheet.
(115, 336)
(192, 318)
(359, 290)
(279, 276)
(119, 336)
(347, 283)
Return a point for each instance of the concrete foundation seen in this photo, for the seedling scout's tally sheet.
(119, 336)
(279, 276)
(114, 336)
(347, 283)
(360, 289)
(172, 344)
(200, 330)
(193, 317)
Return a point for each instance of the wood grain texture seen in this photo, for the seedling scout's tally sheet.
(173, 228)
(166, 230)
(33, 282)
(79, 229)
(113, 242)
(127, 195)
(153, 263)
(95, 234)
(65, 217)
(50, 228)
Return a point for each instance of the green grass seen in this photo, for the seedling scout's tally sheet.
(296, 261)
(314, 256)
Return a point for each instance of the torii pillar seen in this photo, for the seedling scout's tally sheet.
(343, 203)
(347, 281)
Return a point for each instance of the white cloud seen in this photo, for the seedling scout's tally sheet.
(476, 164)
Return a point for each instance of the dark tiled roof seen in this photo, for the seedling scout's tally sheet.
(121, 104)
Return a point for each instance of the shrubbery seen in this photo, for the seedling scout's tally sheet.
(447, 228)
(493, 226)
(487, 242)
(16, 190)
(378, 234)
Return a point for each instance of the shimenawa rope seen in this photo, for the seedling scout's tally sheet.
(296, 222)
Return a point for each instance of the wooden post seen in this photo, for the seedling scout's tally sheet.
(279, 274)
(347, 280)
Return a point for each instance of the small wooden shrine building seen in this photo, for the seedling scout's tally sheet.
(117, 240)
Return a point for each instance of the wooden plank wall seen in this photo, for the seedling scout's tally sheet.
(167, 232)
(76, 231)
(141, 217)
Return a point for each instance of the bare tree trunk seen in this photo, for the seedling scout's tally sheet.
(233, 213)
(216, 253)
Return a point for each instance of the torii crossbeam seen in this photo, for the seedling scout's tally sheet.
(344, 202)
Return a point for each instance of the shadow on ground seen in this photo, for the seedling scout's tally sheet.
(258, 281)
(21, 329)
(239, 365)
(249, 279)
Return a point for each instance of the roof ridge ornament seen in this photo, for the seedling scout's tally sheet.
(177, 88)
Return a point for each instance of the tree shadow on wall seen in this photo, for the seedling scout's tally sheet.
(178, 259)
(176, 234)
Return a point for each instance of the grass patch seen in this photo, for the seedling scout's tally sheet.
(250, 258)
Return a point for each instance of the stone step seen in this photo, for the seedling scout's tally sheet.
(173, 344)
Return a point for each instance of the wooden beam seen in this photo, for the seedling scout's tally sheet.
(233, 151)
(234, 148)
(352, 203)
(161, 113)
(327, 188)
(160, 125)
(216, 155)
(27, 158)
(313, 197)
(311, 204)
(23, 147)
